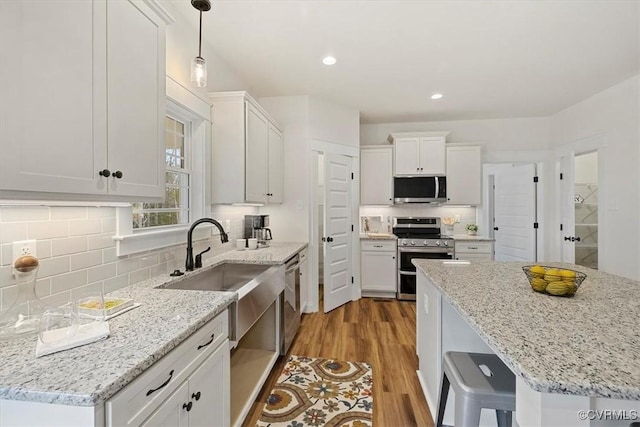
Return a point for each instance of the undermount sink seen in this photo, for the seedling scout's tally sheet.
(258, 287)
(224, 277)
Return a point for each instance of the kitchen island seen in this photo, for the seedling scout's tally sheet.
(568, 354)
(73, 385)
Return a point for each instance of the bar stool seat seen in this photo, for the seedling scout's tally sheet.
(479, 381)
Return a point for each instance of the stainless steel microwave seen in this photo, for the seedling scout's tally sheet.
(419, 189)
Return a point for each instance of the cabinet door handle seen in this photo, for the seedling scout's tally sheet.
(187, 406)
(161, 385)
(117, 174)
(377, 246)
(196, 396)
(206, 344)
(105, 172)
(473, 247)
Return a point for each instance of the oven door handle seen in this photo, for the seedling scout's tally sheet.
(426, 251)
(407, 273)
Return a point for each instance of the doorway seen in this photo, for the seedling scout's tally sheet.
(580, 202)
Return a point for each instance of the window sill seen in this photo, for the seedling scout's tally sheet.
(146, 240)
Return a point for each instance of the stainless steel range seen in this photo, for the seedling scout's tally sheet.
(421, 238)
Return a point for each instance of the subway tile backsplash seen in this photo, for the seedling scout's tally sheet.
(76, 249)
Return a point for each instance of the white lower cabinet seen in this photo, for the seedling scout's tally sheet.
(202, 399)
(188, 386)
(378, 267)
(470, 251)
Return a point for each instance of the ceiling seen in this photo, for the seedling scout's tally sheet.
(490, 59)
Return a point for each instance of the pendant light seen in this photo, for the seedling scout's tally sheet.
(198, 64)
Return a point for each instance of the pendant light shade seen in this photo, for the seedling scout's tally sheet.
(198, 64)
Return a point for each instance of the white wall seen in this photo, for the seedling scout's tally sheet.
(331, 122)
(586, 170)
(614, 114)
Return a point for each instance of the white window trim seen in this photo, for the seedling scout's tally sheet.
(128, 241)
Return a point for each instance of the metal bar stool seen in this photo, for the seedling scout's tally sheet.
(479, 381)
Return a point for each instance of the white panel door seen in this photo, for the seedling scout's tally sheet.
(136, 94)
(515, 213)
(256, 155)
(432, 156)
(276, 165)
(337, 227)
(406, 152)
(567, 206)
(52, 96)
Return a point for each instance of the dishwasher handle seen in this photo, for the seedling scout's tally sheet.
(292, 264)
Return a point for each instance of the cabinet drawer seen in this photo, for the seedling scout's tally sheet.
(378, 245)
(142, 396)
(474, 247)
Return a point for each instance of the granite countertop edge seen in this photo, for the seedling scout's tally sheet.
(215, 303)
(545, 386)
(467, 238)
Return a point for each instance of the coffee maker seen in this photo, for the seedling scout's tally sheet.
(256, 227)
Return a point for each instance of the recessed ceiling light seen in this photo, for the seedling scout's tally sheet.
(436, 96)
(328, 60)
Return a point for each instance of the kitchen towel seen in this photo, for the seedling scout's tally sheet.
(58, 339)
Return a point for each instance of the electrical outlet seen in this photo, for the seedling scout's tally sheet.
(23, 247)
(457, 219)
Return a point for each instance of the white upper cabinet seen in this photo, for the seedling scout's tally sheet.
(376, 176)
(247, 151)
(464, 175)
(419, 153)
(82, 92)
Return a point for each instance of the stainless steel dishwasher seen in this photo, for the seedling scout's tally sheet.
(290, 313)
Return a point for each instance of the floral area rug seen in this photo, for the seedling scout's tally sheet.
(320, 392)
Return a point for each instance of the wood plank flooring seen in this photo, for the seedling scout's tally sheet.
(380, 332)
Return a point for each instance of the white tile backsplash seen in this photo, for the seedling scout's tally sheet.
(76, 248)
(70, 245)
(82, 227)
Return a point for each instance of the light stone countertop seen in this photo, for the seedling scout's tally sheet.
(466, 237)
(91, 374)
(587, 345)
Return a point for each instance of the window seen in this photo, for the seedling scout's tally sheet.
(176, 208)
(148, 226)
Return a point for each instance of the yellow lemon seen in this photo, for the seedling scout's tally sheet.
(559, 288)
(552, 275)
(568, 275)
(538, 284)
(537, 271)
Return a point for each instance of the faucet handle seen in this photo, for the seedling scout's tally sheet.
(199, 257)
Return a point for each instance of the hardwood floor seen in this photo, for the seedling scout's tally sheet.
(380, 332)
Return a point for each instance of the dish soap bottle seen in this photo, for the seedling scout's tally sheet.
(23, 317)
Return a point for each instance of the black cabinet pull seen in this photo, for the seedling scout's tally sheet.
(105, 172)
(206, 344)
(117, 174)
(161, 385)
(187, 406)
(577, 239)
(196, 396)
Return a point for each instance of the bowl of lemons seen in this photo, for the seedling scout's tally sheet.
(560, 282)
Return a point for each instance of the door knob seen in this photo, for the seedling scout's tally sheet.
(329, 239)
(187, 406)
(567, 238)
(495, 228)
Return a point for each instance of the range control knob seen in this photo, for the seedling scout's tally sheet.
(437, 242)
(425, 243)
(404, 242)
(446, 243)
(413, 243)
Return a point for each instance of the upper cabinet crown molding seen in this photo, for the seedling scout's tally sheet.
(393, 136)
(159, 10)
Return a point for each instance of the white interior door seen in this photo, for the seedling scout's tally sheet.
(515, 213)
(337, 231)
(567, 205)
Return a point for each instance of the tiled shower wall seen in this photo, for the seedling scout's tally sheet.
(76, 249)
